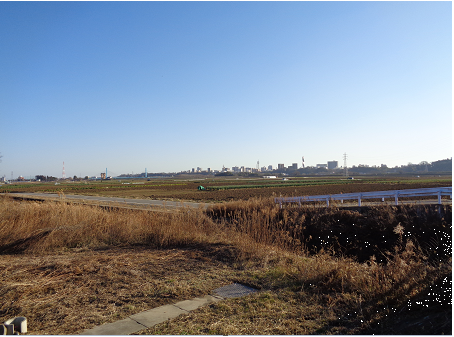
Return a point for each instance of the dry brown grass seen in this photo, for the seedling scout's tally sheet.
(40, 227)
(321, 295)
(70, 267)
(67, 292)
(375, 232)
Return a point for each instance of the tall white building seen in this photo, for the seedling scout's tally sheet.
(332, 165)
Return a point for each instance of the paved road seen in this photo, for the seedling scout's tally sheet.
(113, 201)
(373, 203)
(392, 202)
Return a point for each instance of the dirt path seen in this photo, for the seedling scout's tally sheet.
(113, 201)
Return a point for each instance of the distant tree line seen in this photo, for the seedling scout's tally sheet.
(439, 166)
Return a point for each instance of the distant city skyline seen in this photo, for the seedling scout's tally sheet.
(235, 169)
(169, 86)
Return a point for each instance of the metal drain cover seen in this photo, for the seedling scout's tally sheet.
(234, 290)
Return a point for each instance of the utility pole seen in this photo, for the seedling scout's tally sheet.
(345, 164)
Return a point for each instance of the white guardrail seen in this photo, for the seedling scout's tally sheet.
(420, 192)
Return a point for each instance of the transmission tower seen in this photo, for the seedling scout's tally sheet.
(63, 174)
(345, 164)
(258, 165)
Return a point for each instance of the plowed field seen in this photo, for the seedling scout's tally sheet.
(227, 190)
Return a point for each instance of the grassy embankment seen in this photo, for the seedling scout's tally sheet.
(70, 267)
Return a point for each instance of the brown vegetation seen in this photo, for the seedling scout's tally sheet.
(71, 267)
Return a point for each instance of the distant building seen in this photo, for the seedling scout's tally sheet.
(280, 166)
(103, 175)
(270, 167)
(322, 166)
(294, 166)
(332, 165)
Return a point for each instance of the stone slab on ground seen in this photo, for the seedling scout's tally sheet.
(197, 302)
(149, 318)
(124, 327)
(234, 290)
(158, 315)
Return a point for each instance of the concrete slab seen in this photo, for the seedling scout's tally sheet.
(157, 315)
(149, 318)
(197, 302)
(234, 290)
(124, 327)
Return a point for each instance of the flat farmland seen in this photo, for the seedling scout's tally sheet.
(222, 189)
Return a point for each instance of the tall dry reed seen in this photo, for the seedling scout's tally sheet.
(373, 232)
(40, 227)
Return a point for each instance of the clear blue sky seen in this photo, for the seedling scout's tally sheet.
(169, 86)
